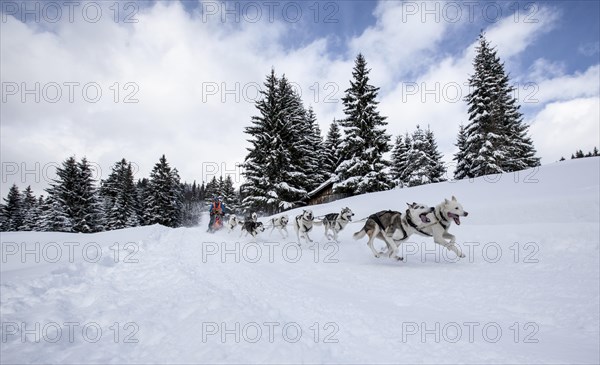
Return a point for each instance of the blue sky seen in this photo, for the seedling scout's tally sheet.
(191, 71)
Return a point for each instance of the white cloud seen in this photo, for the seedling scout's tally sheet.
(513, 35)
(561, 128)
(543, 69)
(566, 87)
(589, 49)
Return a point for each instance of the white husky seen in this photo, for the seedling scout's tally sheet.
(304, 224)
(445, 213)
(231, 223)
(281, 224)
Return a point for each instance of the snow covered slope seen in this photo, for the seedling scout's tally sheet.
(527, 292)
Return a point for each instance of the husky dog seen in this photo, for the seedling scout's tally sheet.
(304, 224)
(231, 223)
(252, 227)
(336, 222)
(445, 213)
(281, 224)
(251, 218)
(386, 223)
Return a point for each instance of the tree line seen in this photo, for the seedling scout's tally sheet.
(579, 154)
(75, 202)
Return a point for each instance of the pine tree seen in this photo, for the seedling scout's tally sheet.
(120, 197)
(595, 151)
(73, 200)
(519, 146)
(230, 196)
(282, 158)
(13, 210)
(314, 169)
(496, 138)
(86, 211)
(418, 159)
(2, 217)
(54, 216)
(332, 149)
(462, 158)
(212, 190)
(260, 165)
(202, 192)
(437, 170)
(283, 162)
(164, 202)
(62, 202)
(362, 168)
(142, 194)
(400, 166)
(31, 211)
(293, 149)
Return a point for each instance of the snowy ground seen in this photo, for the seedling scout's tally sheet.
(527, 292)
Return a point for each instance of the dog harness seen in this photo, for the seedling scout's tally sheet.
(375, 217)
(333, 217)
(306, 229)
(412, 224)
(440, 219)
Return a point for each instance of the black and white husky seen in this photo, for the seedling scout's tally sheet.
(336, 222)
(281, 224)
(252, 217)
(252, 227)
(304, 224)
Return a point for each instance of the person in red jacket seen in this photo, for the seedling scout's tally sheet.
(217, 211)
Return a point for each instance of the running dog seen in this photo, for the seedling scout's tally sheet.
(281, 224)
(252, 227)
(304, 224)
(231, 223)
(386, 223)
(336, 222)
(251, 218)
(444, 213)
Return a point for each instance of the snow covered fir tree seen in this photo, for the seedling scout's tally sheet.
(282, 163)
(332, 149)
(416, 160)
(119, 196)
(12, 213)
(496, 139)
(362, 168)
(73, 204)
(164, 199)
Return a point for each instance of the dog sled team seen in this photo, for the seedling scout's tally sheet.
(392, 227)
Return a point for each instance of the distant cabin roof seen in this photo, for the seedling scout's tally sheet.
(322, 187)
